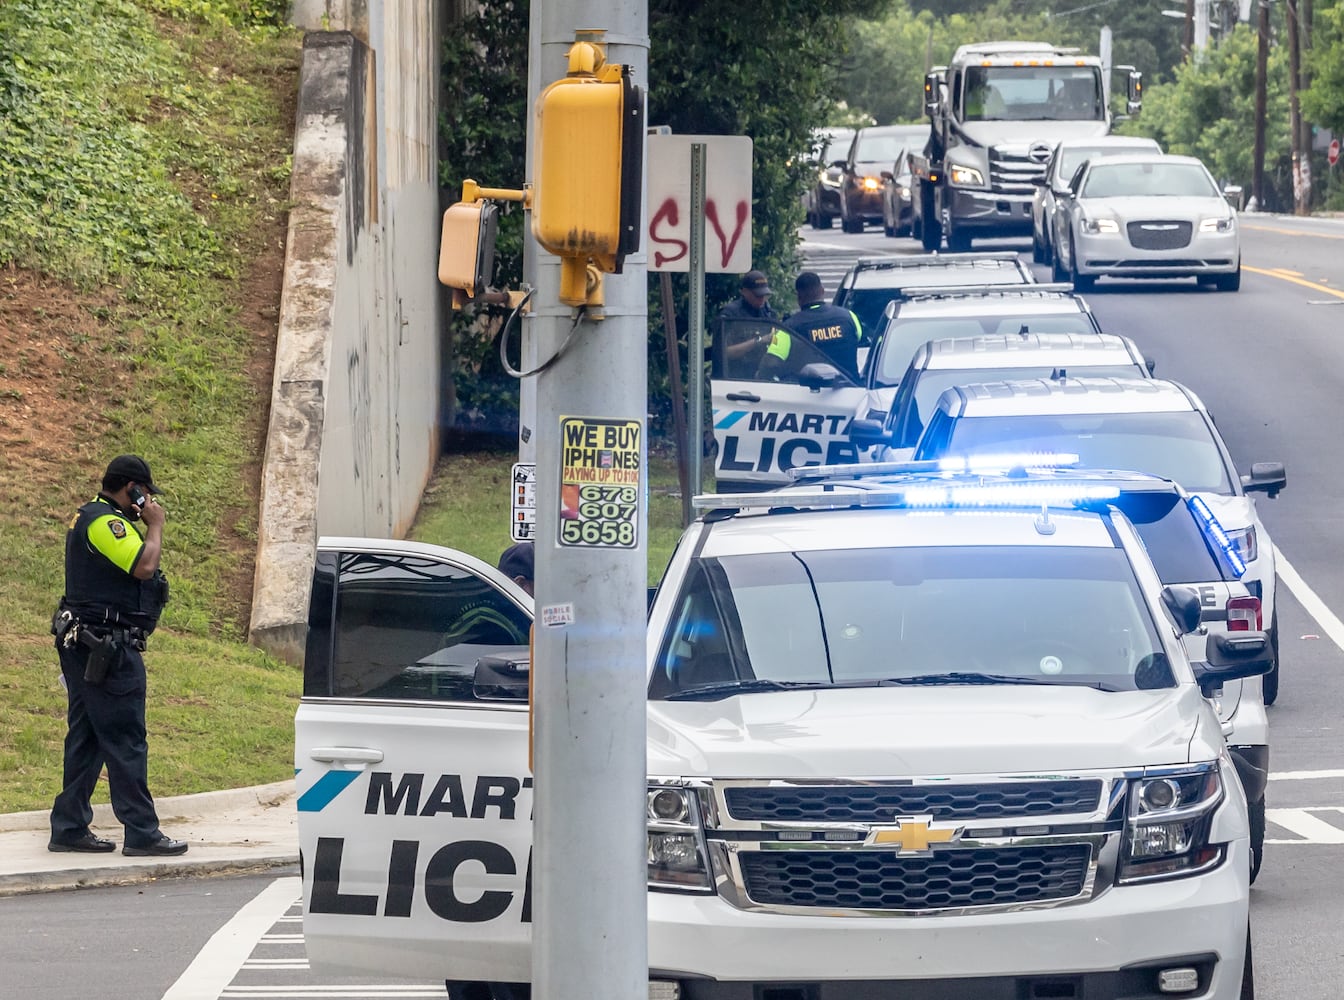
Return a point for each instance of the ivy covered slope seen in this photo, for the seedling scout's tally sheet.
(144, 151)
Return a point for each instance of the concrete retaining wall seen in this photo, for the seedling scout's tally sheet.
(354, 425)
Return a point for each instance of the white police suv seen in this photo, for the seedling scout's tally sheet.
(932, 736)
(1152, 425)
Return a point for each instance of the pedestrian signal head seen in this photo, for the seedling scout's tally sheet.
(588, 157)
(467, 249)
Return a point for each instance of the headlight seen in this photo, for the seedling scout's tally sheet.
(905, 192)
(967, 176)
(676, 848)
(1100, 226)
(871, 183)
(1167, 826)
(1243, 540)
(1222, 225)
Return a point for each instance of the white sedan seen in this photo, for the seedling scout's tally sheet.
(1146, 216)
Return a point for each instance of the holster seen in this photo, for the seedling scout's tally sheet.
(105, 653)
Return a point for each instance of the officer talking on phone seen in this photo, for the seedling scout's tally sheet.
(114, 594)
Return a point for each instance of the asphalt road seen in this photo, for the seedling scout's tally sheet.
(1269, 362)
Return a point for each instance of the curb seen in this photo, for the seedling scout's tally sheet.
(88, 878)
(175, 807)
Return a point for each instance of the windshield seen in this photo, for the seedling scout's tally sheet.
(878, 148)
(903, 336)
(1072, 157)
(1034, 93)
(1175, 446)
(1049, 614)
(1173, 180)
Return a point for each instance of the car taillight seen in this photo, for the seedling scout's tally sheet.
(1243, 614)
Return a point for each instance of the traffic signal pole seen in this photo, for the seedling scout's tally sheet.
(589, 924)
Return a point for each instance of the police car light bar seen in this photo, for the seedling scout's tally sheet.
(1010, 460)
(973, 464)
(926, 495)
(1216, 531)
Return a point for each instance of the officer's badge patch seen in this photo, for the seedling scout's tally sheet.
(118, 528)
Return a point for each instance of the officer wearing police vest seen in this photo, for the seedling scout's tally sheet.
(831, 329)
(114, 593)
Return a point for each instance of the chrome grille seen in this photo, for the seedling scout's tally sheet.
(1011, 173)
(881, 880)
(881, 803)
(1159, 235)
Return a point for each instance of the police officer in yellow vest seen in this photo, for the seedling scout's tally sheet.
(832, 330)
(114, 593)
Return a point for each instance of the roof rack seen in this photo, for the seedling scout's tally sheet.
(943, 291)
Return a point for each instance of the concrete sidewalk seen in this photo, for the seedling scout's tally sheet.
(238, 830)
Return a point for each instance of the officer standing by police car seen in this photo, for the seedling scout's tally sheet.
(833, 330)
(114, 594)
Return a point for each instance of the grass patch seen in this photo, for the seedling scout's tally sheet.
(467, 506)
(140, 252)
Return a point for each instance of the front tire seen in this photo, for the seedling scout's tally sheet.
(824, 221)
(1081, 282)
(1229, 282)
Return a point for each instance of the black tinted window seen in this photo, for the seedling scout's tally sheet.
(406, 626)
(1178, 547)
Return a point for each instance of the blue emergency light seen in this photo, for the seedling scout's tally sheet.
(1216, 531)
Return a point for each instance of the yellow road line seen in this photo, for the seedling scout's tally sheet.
(1295, 274)
(1296, 281)
(1292, 232)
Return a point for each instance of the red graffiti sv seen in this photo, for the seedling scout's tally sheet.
(668, 213)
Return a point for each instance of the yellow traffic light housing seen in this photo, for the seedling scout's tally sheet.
(467, 249)
(588, 162)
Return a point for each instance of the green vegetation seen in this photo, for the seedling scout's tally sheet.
(142, 170)
(466, 507)
(732, 67)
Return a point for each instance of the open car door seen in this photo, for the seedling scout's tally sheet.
(778, 402)
(415, 797)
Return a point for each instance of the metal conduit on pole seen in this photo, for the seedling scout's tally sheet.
(696, 317)
(1261, 70)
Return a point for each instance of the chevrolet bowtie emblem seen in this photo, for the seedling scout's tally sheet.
(914, 834)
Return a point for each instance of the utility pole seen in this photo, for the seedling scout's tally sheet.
(1301, 157)
(589, 874)
(1261, 71)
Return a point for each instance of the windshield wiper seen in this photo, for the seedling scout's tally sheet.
(963, 677)
(726, 689)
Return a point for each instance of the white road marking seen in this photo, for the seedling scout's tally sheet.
(329, 992)
(1310, 828)
(1305, 775)
(218, 962)
(1316, 607)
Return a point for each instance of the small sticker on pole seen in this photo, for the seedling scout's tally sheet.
(601, 482)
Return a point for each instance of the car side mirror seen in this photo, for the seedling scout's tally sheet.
(818, 375)
(887, 175)
(1039, 181)
(1150, 364)
(1265, 477)
(500, 678)
(840, 164)
(1232, 195)
(1232, 656)
(865, 433)
(1184, 606)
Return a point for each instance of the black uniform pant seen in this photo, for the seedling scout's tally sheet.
(106, 725)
